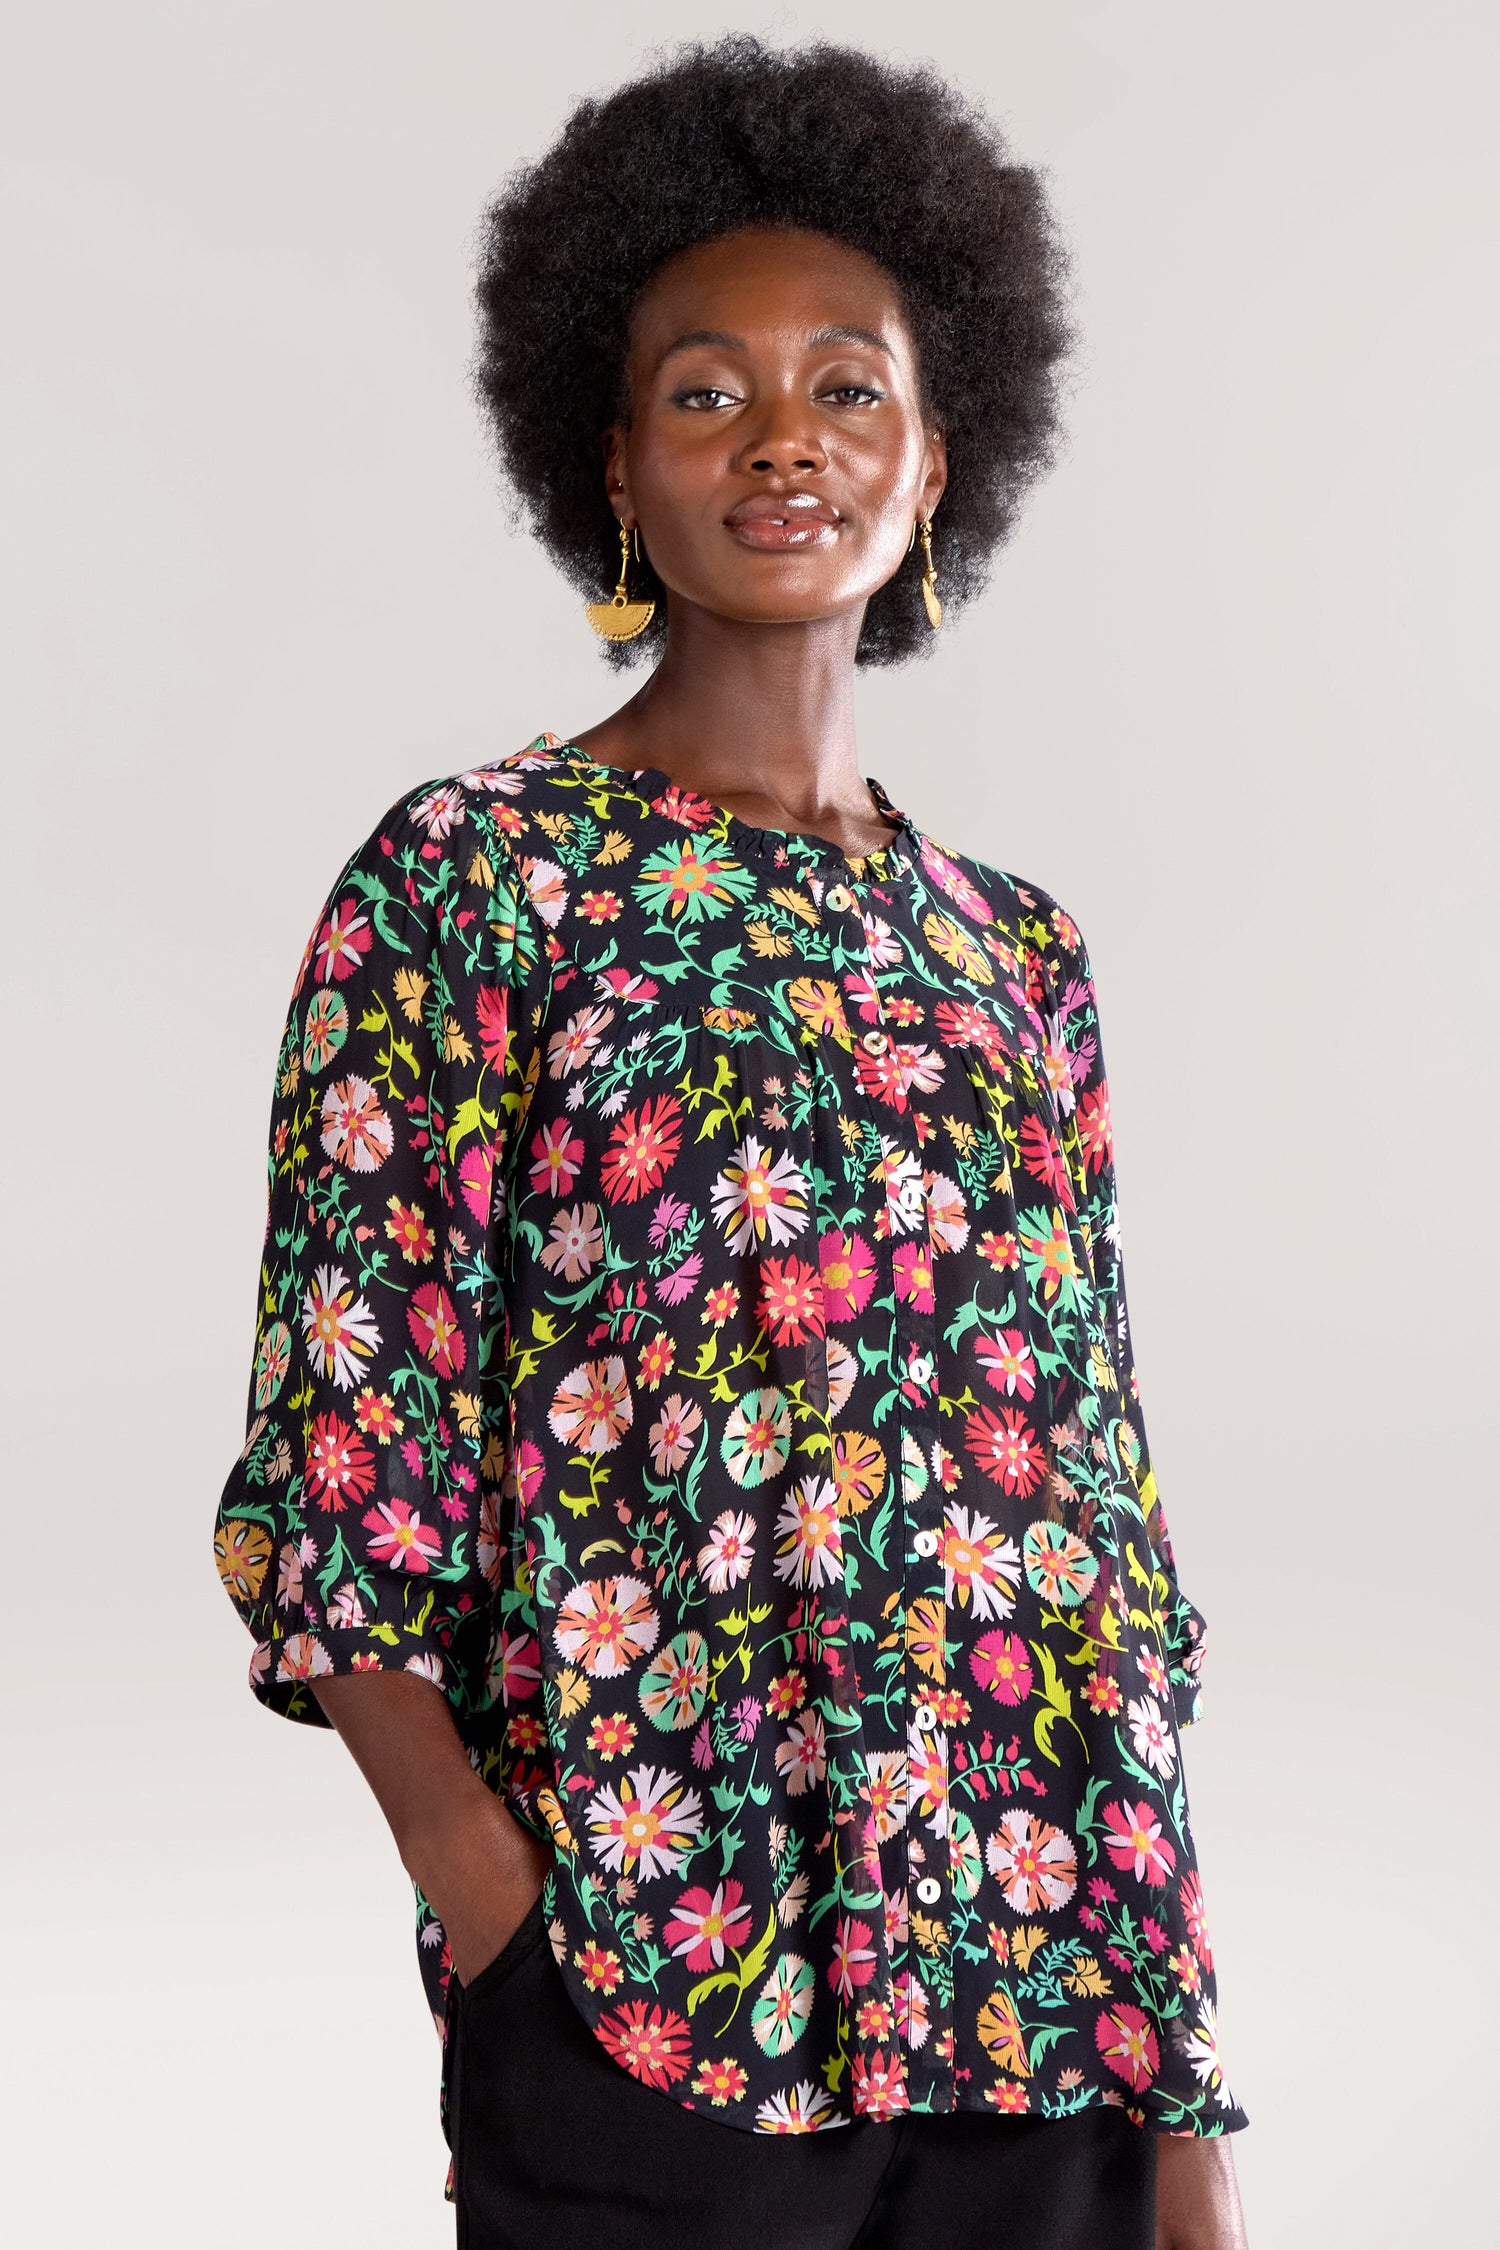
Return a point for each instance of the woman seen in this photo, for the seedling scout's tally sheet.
(694, 1380)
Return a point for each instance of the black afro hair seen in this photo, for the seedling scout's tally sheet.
(893, 161)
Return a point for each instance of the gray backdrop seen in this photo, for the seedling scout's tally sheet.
(1227, 698)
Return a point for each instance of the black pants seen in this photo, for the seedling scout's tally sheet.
(557, 2148)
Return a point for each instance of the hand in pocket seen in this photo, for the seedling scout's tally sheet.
(484, 1882)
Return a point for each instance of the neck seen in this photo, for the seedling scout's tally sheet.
(757, 714)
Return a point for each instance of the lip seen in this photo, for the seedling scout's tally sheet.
(778, 522)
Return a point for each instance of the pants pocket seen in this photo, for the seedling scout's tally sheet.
(523, 1937)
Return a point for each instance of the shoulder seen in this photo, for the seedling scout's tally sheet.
(426, 873)
(433, 821)
(1032, 917)
(513, 818)
(429, 836)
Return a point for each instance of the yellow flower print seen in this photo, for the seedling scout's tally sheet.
(796, 903)
(242, 1551)
(1000, 2034)
(1024, 1942)
(1085, 1979)
(411, 991)
(821, 1007)
(953, 945)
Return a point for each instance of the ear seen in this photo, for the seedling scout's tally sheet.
(616, 482)
(934, 470)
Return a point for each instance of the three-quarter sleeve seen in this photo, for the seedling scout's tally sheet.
(1088, 1138)
(356, 1531)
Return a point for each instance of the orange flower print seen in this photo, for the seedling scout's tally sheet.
(674, 1433)
(572, 1048)
(575, 1242)
(1059, 1566)
(356, 1130)
(606, 1624)
(1035, 1864)
(592, 1408)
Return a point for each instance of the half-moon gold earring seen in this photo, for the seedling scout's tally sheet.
(923, 531)
(621, 619)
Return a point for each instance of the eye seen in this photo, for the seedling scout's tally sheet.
(703, 398)
(855, 394)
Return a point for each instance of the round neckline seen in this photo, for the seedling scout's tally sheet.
(651, 782)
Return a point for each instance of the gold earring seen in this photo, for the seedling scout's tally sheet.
(923, 531)
(620, 619)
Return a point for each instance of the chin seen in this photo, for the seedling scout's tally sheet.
(796, 599)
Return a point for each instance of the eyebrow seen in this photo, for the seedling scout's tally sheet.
(720, 339)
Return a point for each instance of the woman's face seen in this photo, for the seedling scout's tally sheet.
(777, 454)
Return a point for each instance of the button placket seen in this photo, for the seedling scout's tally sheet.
(851, 1750)
(925, 1877)
(915, 1565)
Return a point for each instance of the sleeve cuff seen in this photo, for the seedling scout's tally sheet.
(1187, 1644)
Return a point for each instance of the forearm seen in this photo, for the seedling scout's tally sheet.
(1197, 2195)
(400, 1732)
(469, 1857)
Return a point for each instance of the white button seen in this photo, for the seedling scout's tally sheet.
(929, 1890)
(926, 1542)
(874, 1042)
(926, 1718)
(839, 899)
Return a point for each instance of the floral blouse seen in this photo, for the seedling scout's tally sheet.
(693, 1335)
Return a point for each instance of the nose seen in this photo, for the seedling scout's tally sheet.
(781, 441)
